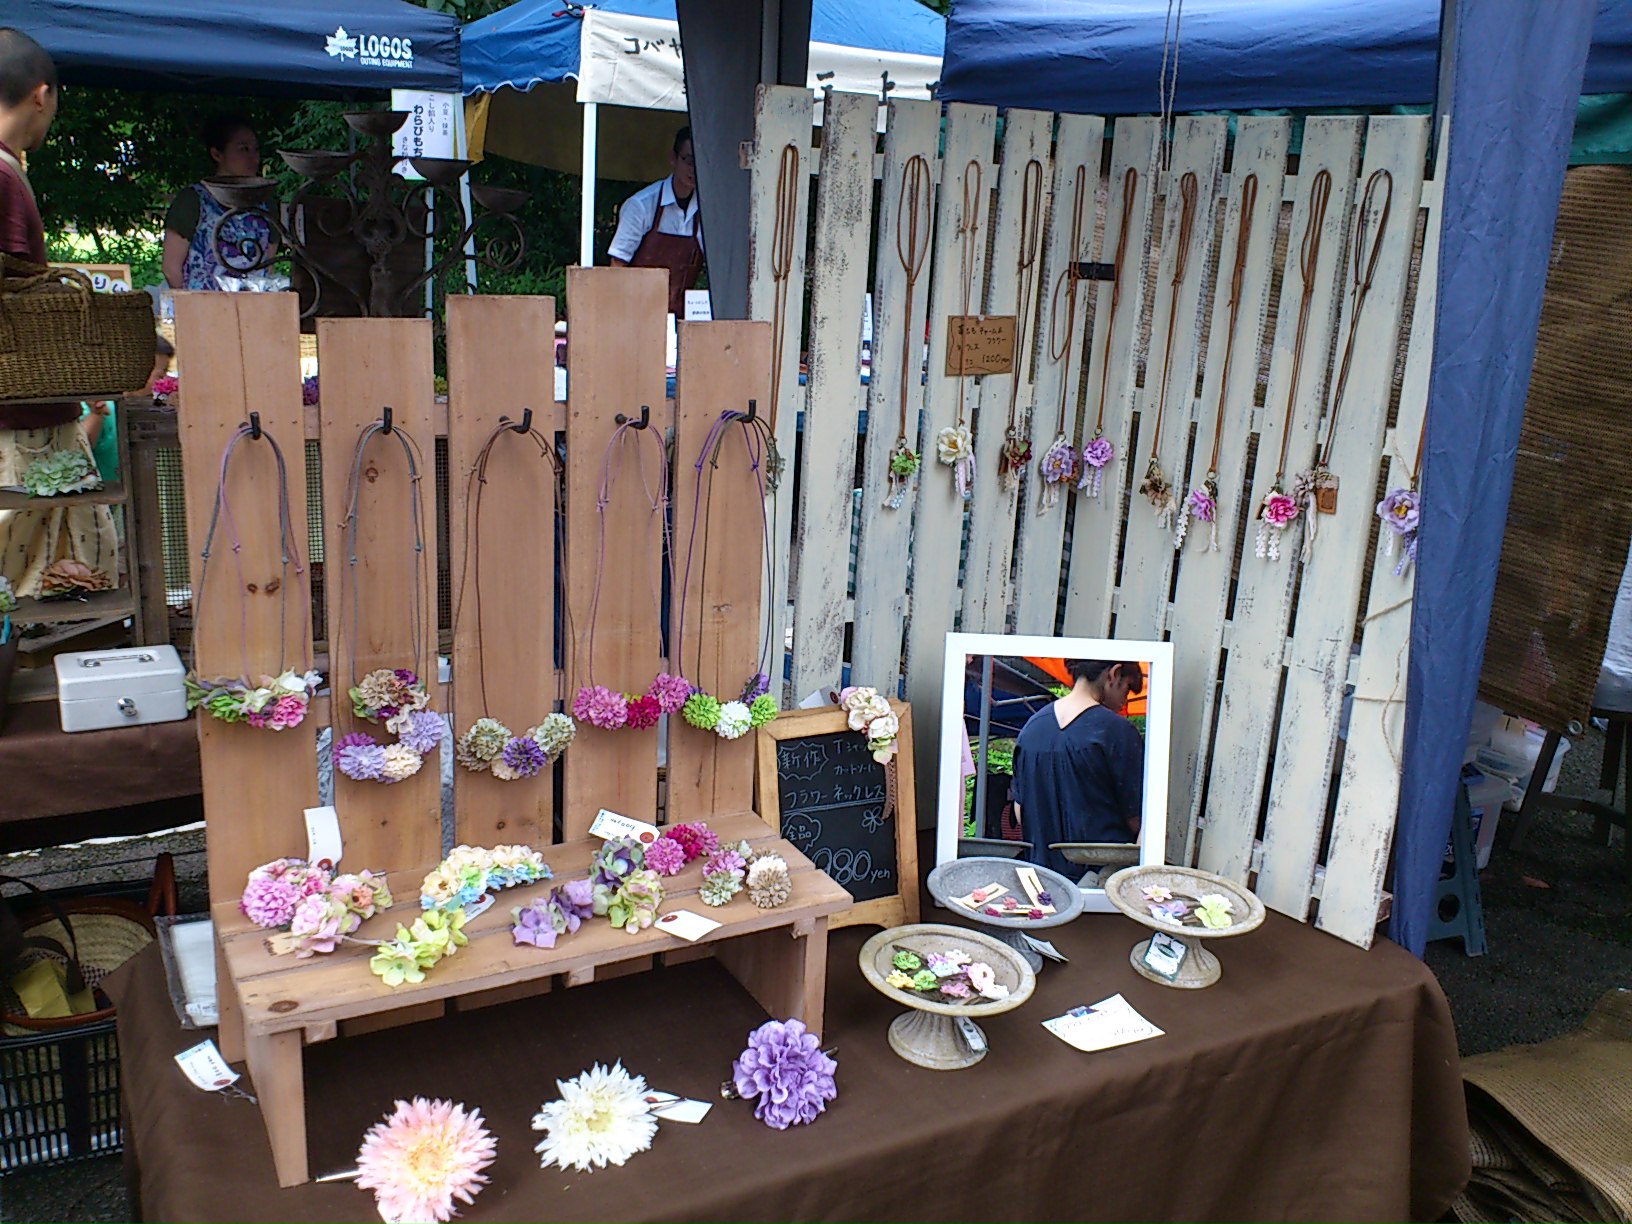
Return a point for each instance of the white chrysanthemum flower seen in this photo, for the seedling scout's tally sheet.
(735, 720)
(400, 762)
(601, 1119)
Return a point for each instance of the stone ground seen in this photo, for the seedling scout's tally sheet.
(1558, 914)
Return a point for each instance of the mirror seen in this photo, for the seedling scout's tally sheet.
(1087, 795)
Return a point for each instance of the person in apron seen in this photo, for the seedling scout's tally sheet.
(661, 226)
(193, 233)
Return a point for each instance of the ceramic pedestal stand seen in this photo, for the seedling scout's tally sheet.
(962, 876)
(933, 1035)
(1199, 967)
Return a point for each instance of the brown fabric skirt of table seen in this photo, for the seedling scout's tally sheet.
(1316, 1081)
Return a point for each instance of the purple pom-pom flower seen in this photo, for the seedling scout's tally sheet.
(725, 860)
(666, 856)
(1202, 504)
(269, 901)
(360, 758)
(786, 1070)
(1098, 452)
(600, 707)
(670, 692)
(523, 755)
(758, 685)
(423, 733)
(1399, 510)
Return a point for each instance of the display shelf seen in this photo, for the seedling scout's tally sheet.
(286, 1002)
(113, 494)
(99, 605)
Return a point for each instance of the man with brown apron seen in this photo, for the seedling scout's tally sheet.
(660, 226)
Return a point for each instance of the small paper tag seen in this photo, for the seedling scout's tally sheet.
(323, 844)
(479, 906)
(684, 924)
(1325, 492)
(673, 1108)
(204, 1065)
(1164, 955)
(610, 824)
(981, 897)
(1110, 1022)
(1043, 948)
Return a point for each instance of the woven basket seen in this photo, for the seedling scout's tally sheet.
(59, 339)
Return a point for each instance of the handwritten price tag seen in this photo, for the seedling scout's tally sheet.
(979, 344)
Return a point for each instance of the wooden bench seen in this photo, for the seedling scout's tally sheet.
(286, 1003)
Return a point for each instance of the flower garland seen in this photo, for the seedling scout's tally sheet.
(422, 1157)
(786, 1072)
(870, 714)
(488, 746)
(732, 719)
(273, 703)
(435, 934)
(601, 707)
(471, 872)
(315, 908)
(60, 472)
(602, 1118)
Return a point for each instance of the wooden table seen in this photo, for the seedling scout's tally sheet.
(286, 1003)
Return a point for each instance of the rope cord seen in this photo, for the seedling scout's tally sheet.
(1130, 190)
(1243, 236)
(912, 226)
(1359, 288)
(787, 217)
(1059, 339)
(968, 229)
(1320, 195)
(1181, 263)
(1031, 215)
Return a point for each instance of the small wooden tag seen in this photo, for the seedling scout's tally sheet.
(1325, 493)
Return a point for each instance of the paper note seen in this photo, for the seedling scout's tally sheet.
(1043, 948)
(684, 924)
(323, 844)
(1110, 1022)
(979, 344)
(609, 824)
(672, 1108)
(204, 1065)
(1164, 955)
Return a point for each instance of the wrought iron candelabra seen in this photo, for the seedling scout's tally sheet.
(379, 216)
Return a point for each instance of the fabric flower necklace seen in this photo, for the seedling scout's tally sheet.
(396, 697)
(1277, 510)
(912, 226)
(1202, 504)
(1316, 489)
(594, 703)
(1058, 466)
(1400, 512)
(955, 445)
(1016, 451)
(268, 702)
(1156, 487)
(732, 717)
(488, 746)
(1098, 452)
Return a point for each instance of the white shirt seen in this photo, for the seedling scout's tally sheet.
(635, 218)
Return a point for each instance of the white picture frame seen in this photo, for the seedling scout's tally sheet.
(1158, 656)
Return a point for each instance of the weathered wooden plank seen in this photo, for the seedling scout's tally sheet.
(1005, 399)
(615, 367)
(719, 550)
(1202, 594)
(369, 364)
(1334, 567)
(1368, 795)
(779, 167)
(844, 199)
(895, 384)
(1250, 695)
(1040, 562)
(501, 362)
(938, 514)
(1147, 566)
(1097, 535)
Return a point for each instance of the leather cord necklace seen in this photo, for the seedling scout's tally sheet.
(1058, 467)
(1016, 451)
(1156, 487)
(912, 226)
(955, 445)
(1098, 452)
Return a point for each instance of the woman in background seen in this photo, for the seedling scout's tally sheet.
(192, 228)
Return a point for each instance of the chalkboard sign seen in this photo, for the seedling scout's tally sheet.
(820, 786)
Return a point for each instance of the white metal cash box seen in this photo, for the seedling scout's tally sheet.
(98, 689)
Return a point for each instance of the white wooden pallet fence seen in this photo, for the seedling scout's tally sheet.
(1263, 649)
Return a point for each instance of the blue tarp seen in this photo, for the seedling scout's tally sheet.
(536, 41)
(1104, 57)
(1517, 72)
(305, 48)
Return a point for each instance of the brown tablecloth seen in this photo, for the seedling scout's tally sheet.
(1315, 1082)
(49, 774)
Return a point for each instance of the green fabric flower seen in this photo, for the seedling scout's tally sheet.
(450, 923)
(395, 964)
(60, 472)
(762, 710)
(226, 706)
(925, 980)
(908, 962)
(701, 711)
(904, 462)
(720, 887)
(1214, 911)
(554, 734)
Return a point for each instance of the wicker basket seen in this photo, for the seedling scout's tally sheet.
(59, 339)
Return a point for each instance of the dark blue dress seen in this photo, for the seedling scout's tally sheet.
(1081, 783)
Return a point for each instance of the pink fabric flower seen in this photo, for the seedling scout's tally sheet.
(696, 839)
(269, 901)
(1202, 505)
(670, 692)
(643, 712)
(666, 856)
(1098, 452)
(1279, 509)
(287, 711)
(600, 707)
(422, 1157)
(319, 923)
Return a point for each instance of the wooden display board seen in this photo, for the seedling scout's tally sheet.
(820, 788)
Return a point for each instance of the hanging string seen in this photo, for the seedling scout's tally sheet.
(1363, 269)
(782, 234)
(1203, 500)
(1099, 452)
(1167, 85)
(912, 226)
(1017, 438)
(1156, 487)
(1058, 467)
(1277, 510)
(955, 445)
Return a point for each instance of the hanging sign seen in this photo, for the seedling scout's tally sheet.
(979, 344)
(105, 278)
(434, 127)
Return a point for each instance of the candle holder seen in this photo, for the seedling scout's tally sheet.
(359, 200)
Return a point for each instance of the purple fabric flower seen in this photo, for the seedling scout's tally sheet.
(1202, 505)
(1172, 911)
(405, 677)
(613, 862)
(785, 1068)
(269, 901)
(1060, 462)
(600, 707)
(361, 762)
(523, 755)
(670, 692)
(308, 390)
(534, 926)
(666, 856)
(1098, 453)
(1399, 510)
(725, 860)
(758, 685)
(423, 733)
(357, 739)
(576, 899)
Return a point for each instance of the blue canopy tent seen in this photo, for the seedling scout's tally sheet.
(299, 48)
(1510, 74)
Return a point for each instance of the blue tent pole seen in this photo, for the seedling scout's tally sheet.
(1516, 68)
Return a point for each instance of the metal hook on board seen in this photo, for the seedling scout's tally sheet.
(752, 413)
(522, 426)
(385, 419)
(255, 426)
(642, 423)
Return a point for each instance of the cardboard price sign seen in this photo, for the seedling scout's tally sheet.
(979, 344)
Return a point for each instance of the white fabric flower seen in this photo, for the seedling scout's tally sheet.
(400, 762)
(885, 726)
(601, 1119)
(764, 867)
(954, 444)
(501, 771)
(734, 720)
